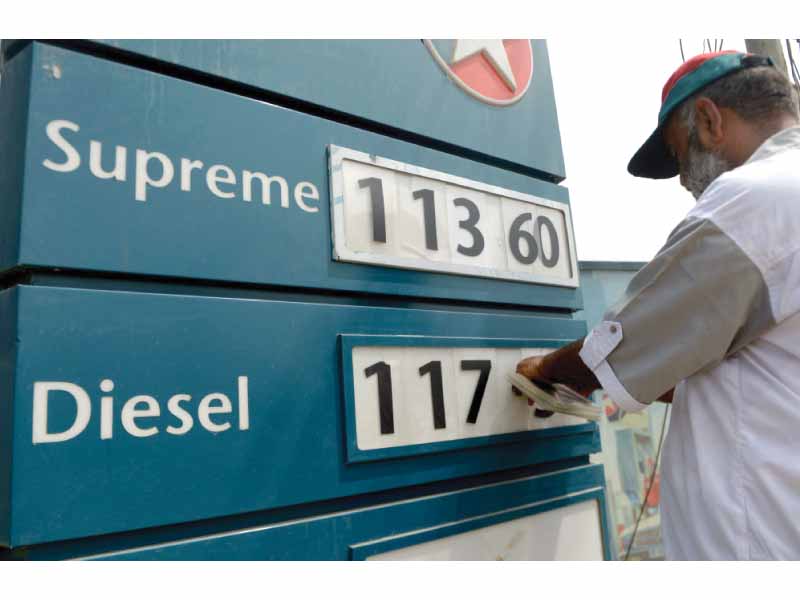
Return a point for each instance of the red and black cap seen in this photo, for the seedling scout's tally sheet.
(653, 159)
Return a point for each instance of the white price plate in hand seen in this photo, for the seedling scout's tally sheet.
(390, 213)
(420, 395)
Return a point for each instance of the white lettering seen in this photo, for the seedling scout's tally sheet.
(174, 406)
(187, 166)
(221, 179)
(106, 411)
(130, 413)
(244, 404)
(266, 187)
(134, 410)
(303, 190)
(106, 417)
(213, 178)
(143, 178)
(73, 161)
(96, 162)
(205, 410)
(41, 390)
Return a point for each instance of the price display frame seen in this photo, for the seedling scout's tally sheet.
(468, 227)
(559, 426)
(593, 498)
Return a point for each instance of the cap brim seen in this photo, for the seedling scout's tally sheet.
(653, 159)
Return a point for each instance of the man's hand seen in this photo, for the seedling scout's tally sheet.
(562, 366)
(530, 368)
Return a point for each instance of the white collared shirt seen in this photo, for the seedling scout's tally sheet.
(716, 314)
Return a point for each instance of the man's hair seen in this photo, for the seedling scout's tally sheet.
(758, 94)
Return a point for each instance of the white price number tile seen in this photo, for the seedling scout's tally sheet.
(512, 411)
(422, 227)
(379, 398)
(476, 231)
(536, 238)
(428, 378)
(370, 207)
(550, 231)
(475, 387)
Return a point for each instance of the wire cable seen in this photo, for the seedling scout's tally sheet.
(683, 58)
(652, 479)
(792, 64)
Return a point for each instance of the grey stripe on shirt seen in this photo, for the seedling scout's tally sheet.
(700, 299)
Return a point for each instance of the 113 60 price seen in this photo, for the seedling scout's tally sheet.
(388, 213)
(523, 244)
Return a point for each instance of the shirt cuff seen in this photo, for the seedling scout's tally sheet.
(614, 388)
(600, 342)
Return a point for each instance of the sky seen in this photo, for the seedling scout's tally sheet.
(608, 104)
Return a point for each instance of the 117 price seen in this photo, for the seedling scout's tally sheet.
(433, 370)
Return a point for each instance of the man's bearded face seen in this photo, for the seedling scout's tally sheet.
(701, 167)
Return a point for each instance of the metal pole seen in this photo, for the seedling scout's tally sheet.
(771, 48)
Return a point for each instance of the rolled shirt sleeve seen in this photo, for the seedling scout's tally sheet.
(699, 299)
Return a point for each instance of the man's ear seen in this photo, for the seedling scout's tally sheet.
(710, 129)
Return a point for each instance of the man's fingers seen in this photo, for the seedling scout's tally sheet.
(516, 392)
(526, 368)
(529, 367)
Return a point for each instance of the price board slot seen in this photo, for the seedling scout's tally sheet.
(390, 213)
(408, 395)
(559, 515)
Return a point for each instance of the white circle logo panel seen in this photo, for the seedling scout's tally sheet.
(497, 72)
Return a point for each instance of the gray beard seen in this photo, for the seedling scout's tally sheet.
(701, 167)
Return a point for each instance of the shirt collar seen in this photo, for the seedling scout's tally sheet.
(786, 139)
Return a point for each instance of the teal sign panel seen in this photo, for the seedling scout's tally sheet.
(493, 98)
(133, 410)
(139, 173)
(363, 533)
